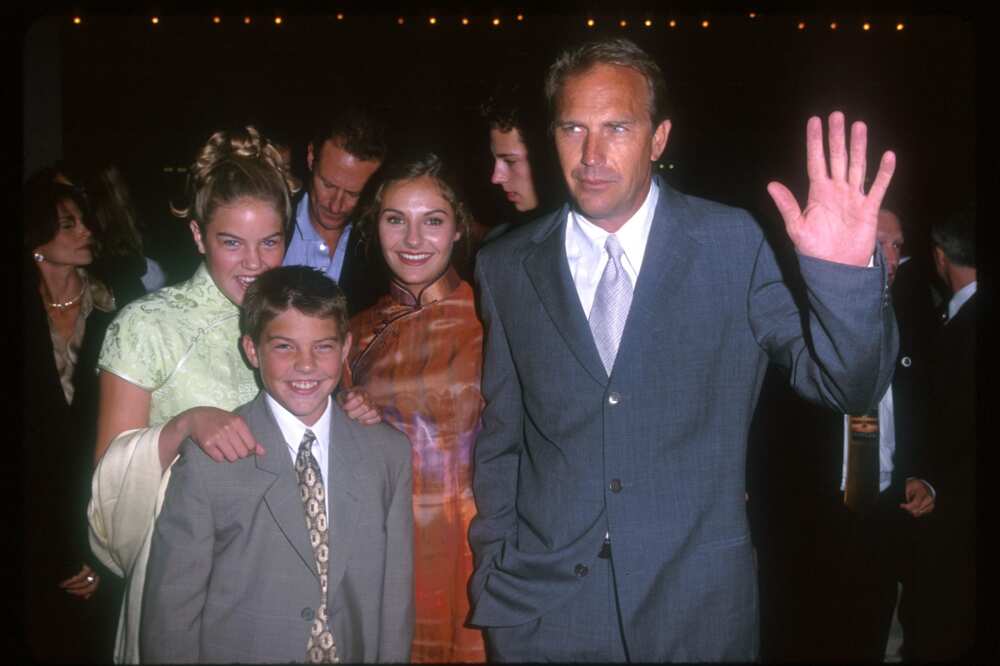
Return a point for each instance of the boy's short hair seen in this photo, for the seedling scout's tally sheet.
(305, 289)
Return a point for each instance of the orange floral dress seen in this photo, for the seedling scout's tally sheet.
(421, 363)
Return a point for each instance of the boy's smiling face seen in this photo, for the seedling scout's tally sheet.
(300, 359)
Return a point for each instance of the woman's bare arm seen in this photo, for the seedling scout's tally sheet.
(125, 406)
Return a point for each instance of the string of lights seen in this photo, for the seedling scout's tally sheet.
(496, 21)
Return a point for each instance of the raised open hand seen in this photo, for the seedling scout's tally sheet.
(839, 220)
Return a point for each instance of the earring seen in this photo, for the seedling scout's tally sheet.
(38, 257)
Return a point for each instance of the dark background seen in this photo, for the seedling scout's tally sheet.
(741, 90)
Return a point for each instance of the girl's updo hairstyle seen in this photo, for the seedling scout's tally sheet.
(410, 167)
(232, 165)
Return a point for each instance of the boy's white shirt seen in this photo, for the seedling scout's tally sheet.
(292, 430)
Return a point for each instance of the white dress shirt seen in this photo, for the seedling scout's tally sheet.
(959, 298)
(292, 429)
(587, 256)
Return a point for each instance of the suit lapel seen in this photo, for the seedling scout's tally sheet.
(558, 294)
(344, 476)
(282, 498)
(666, 262)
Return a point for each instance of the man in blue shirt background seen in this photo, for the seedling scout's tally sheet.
(342, 156)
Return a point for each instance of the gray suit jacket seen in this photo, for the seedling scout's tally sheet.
(232, 577)
(655, 453)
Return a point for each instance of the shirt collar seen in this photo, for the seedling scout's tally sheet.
(303, 225)
(588, 238)
(292, 428)
(959, 298)
(305, 229)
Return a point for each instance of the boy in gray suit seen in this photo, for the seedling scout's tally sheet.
(302, 554)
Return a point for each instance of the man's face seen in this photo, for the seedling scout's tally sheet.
(890, 237)
(300, 359)
(337, 180)
(606, 142)
(511, 168)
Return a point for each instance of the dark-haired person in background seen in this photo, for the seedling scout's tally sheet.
(830, 563)
(70, 604)
(946, 552)
(341, 156)
(524, 164)
(120, 258)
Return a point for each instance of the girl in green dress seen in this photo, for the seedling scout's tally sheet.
(170, 366)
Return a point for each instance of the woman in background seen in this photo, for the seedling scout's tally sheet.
(70, 603)
(418, 354)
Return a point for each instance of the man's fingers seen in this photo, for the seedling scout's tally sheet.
(815, 159)
(859, 156)
(838, 148)
(785, 201)
(881, 183)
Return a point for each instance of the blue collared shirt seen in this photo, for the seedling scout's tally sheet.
(307, 248)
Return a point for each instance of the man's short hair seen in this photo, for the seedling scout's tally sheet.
(359, 133)
(305, 289)
(956, 236)
(617, 51)
(510, 106)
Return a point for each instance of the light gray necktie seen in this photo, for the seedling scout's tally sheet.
(611, 305)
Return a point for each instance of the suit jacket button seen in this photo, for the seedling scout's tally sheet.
(614, 398)
(308, 614)
(616, 485)
(581, 570)
(906, 362)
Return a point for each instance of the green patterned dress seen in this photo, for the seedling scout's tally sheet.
(181, 344)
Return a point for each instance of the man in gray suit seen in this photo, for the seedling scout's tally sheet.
(627, 337)
(244, 565)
